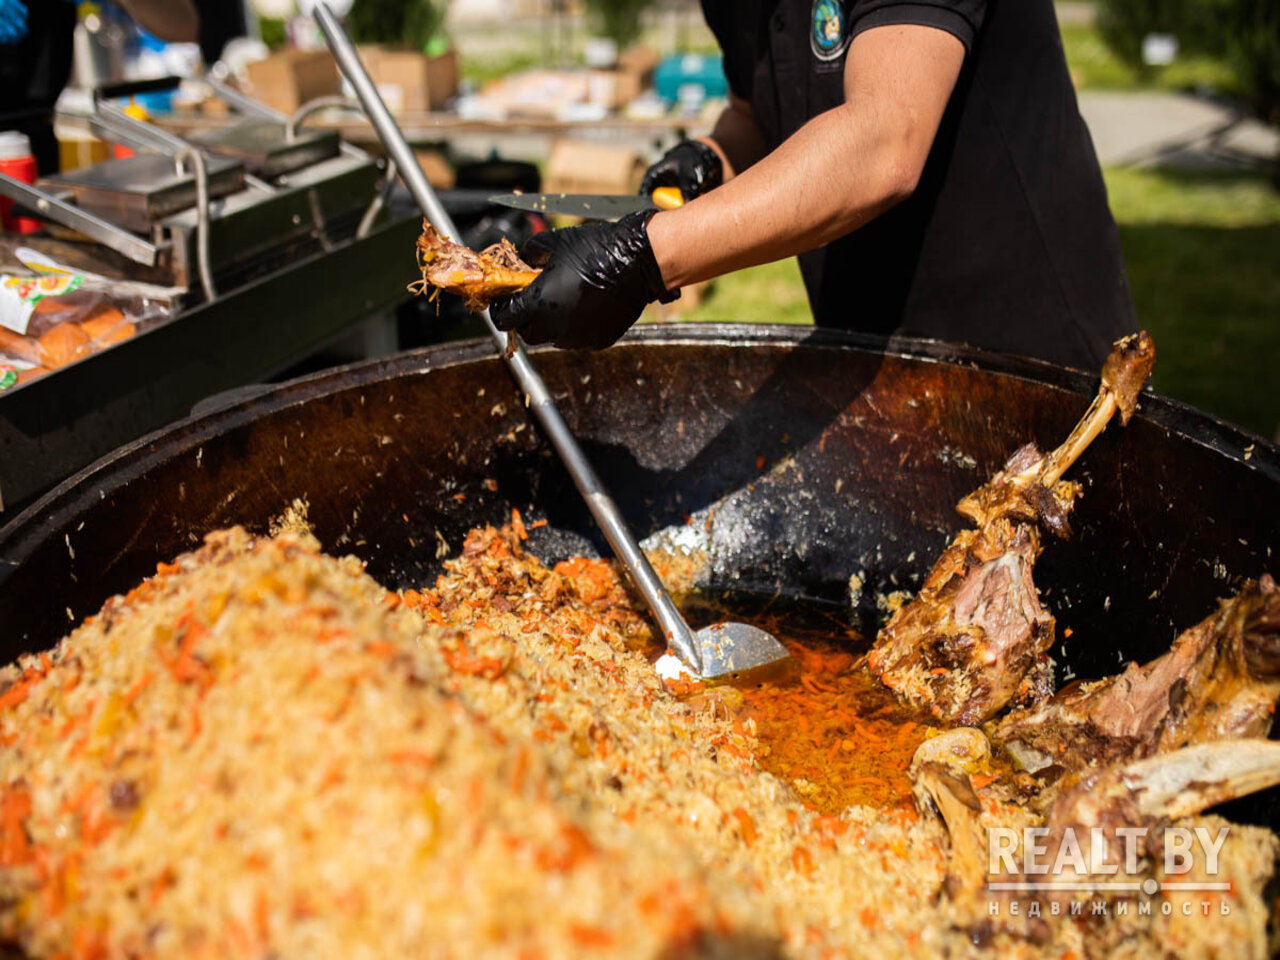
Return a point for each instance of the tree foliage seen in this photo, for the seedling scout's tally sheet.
(1124, 23)
(619, 20)
(1244, 33)
(402, 23)
(1248, 35)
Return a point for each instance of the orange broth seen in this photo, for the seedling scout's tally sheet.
(829, 728)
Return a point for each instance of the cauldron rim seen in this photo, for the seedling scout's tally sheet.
(129, 462)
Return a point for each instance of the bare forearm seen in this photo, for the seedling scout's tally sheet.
(737, 138)
(173, 20)
(835, 174)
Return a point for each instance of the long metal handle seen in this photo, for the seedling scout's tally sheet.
(544, 408)
(256, 108)
(110, 120)
(201, 173)
(245, 104)
(51, 208)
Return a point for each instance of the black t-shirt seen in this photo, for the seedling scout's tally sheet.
(1007, 242)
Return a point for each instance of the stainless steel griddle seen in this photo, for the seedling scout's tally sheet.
(276, 238)
(266, 147)
(136, 192)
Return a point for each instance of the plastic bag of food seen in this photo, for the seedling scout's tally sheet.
(55, 319)
(14, 373)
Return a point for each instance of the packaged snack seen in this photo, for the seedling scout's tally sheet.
(62, 344)
(56, 317)
(17, 372)
(107, 327)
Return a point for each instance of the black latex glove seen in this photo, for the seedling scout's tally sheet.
(596, 279)
(690, 165)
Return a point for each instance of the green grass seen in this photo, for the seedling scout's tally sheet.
(1192, 198)
(1094, 67)
(1202, 251)
(770, 293)
(482, 69)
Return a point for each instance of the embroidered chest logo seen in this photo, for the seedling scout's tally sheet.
(828, 34)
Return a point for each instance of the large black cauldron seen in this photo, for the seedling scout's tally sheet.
(822, 455)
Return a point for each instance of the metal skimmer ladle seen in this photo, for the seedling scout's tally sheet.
(717, 652)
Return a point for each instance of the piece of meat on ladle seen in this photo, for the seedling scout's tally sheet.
(494, 272)
(1219, 681)
(975, 636)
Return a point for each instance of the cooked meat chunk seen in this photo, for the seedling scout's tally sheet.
(976, 637)
(496, 271)
(1219, 681)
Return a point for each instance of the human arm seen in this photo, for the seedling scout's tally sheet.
(175, 21)
(837, 172)
(736, 137)
(700, 165)
(840, 170)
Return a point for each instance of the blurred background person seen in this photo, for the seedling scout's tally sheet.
(36, 54)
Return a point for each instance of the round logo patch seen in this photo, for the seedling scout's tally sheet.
(828, 36)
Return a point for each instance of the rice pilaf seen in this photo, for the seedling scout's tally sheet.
(262, 752)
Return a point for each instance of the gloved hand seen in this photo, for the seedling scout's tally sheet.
(13, 21)
(690, 165)
(596, 280)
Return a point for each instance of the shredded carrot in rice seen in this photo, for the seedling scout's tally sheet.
(262, 752)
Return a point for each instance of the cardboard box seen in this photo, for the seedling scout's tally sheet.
(533, 94)
(576, 166)
(288, 79)
(615, 88)
(639, 62)
(440, 173)
(410, 81)
(612, 89)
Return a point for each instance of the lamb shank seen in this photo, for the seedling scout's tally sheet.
(1219, 681)
(976, 636)
(1148, 793)
(1140, 749)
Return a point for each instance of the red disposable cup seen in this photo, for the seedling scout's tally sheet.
(16, 161)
